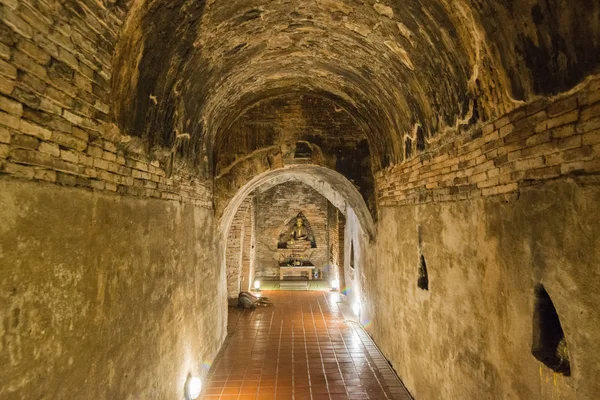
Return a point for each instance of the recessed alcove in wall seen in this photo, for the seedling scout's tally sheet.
(296, 231)
(549, 343)
(352, 254)
(423, 280)
(303, 150)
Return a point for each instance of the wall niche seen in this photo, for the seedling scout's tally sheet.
(423, 280)
(549, 343)
(297, 234)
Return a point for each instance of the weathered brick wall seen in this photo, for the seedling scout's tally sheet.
(89, 200)
(496, 212)
(544, 140)
(334, 242)
(55, 121)
(274, 209)
(236, 244)
(247, 274)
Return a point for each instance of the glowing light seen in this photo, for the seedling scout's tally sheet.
(356, 308)
(335, 285)
(193, 387)
(257, 285)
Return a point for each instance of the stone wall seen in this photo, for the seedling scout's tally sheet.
(494, 214)
(333, 227)
(274, 209)
(248, 255)
(108, 277)
(239, 241)
(547, 139)
(104, 296)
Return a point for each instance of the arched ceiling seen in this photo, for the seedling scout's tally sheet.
(401, 68)
(265, 137)
(333, 186)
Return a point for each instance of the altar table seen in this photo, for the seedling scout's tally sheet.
(310, 271)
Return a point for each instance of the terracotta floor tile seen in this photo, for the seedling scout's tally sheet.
(299, 348)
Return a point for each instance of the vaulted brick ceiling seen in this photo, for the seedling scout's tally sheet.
(405, 70)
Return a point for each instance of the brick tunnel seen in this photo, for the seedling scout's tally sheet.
(413, 184)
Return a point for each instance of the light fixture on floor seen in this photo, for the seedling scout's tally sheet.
(257, 285)
(193, 387)
(335, 285)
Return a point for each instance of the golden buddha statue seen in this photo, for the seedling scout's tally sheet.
(300, 232)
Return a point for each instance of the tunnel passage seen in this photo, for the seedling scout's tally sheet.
(271, 203)
(129, 127)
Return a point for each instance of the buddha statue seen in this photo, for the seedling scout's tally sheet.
(300, 233)
(297, 235)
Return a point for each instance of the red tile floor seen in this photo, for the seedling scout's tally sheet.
(299, 348)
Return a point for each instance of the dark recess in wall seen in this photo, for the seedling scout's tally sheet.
(423, 281)
(549, 343)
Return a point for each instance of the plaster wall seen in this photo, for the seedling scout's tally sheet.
(104, 296)
(470, 335)
(356, 241)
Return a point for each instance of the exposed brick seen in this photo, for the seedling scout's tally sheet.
(9, 120)
(579, 153)
(590, 112)
(562, 106)
(500, 189)
(563, 131)
(23, 61)
(589, 125)
(68, 141)
(32, 129)
(97, 184)
(81, 133)
(529, 163)
(7, 70)
(4, 51)
(70, 156)
(501, 122)
(563, 119)
(536, 106)
(32, 83)
(593, 97)
(26, 97)
(58, 68)
(10, 18)
(592, 137)
(518, 135)
(11, 106)
(517, 114)
(18, 170)
(570, 142)
(24, 141)
(66, 179)
(4, 135)
(531, 120)
(543, 173)
(47, 120)
(538, 138)
(539, 150)
(49, 148)
(36, 53)
(45, 175)
(100, 163)
(107, 155)
(35, 19)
